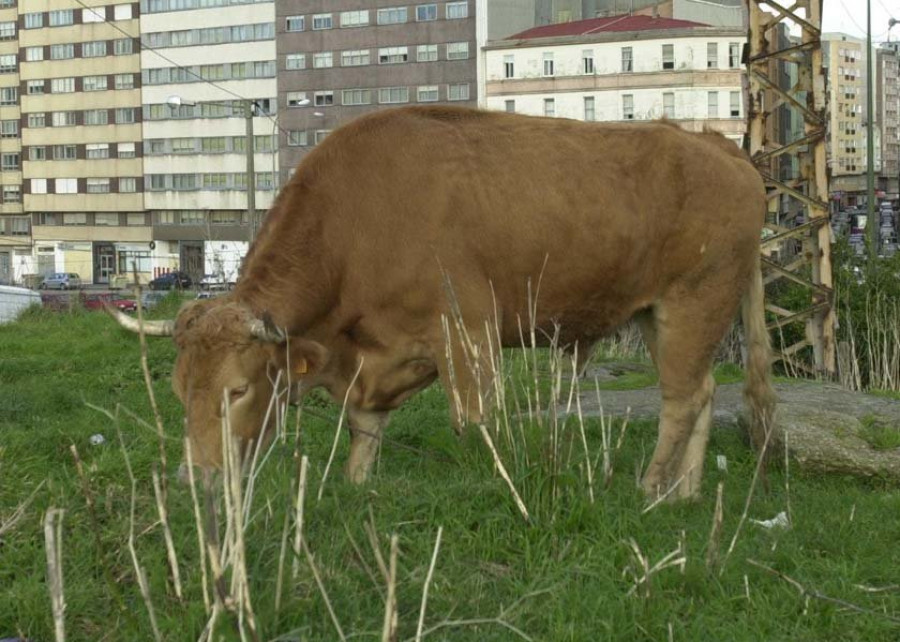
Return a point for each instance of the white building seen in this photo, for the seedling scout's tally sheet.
(622, 68)
(195, 161)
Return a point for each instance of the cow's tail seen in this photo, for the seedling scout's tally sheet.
(758, 392)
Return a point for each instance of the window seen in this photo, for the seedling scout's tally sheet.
(458, 91)
(356, 97)
(65, 118)
(426, 53)
(110, 219)
(183, 146)
(38, 185)
(295, 61)
(34, 20)
(735, 100)
(457, 51)
(321, 134)
(548, 64)
(8, 64)
(62, 52)
(34, 54)
(388, 95)
(509, 66)
(96, 117)
(10, 161)
(712, 104)
(122, 12)
(64, 152)
(62, 17)
(295, 23)
(712, 55)
(549, 107)
(510, 106)
(184, 181)
(427, 94)
(96, 14)
(62, 85)
(323, 98)
(124, 81)
(126, 150)
(355, 58)
(74, 218)
(392, 55)
(7, 30)
(12, 194)
(297, 137)
(9, 95)
(192, 217)
(214, 145)
(9, 129)
(97, 186)
(627, 60)
(734, 55)
(669, 104)
(34, 87)
(354, 18)
(296, 99)
(457, 10)
(628, 107)
(391, 16)
(124, 115)
(37, 153)
(123, 46)
(426, 12)
(668, 56)
(36, 120)
(590, 109)
(322, 60)
(321, 21)
(66, 185)
(94, 49)
(93, 83)
(94, 151)
(587, 61)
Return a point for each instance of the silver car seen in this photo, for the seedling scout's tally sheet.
(62, 281)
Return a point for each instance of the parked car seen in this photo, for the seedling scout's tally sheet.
(215, 282)
(150, 300)
(169, 280)
(98, 301)
(61, 281)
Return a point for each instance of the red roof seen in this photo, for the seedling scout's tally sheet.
(604, 25)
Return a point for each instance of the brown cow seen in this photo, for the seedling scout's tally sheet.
(617, 222)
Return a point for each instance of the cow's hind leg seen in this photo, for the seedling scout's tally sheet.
(366, 428)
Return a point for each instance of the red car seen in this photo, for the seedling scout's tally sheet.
(97, 301)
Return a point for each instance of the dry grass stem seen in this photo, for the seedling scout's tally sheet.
(167, 534)
(322, 591)
(372, 534)
(298, 515)
(502, 470)
(500, 620)
(715, 533)
(337, 432)
(428, 576)
(53, 547)
(10, 523)
(198, 519)
(641, 577)
(389, 629)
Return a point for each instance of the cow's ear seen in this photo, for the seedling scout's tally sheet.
(301, 356)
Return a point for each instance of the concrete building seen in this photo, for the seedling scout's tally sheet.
(622, 68)
(79, 84)
(201, 57)
(887, 105)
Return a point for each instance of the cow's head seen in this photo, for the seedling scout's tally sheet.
(224, 352)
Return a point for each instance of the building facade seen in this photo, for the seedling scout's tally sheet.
(887, 104)
(621, 69)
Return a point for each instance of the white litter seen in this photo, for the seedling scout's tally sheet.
(97, 440)
(780, 520)
(722, 463)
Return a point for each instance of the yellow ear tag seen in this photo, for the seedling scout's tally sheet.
(300, 368)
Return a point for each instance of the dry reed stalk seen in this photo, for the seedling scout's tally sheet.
(389, 629)
(675, 558)
(282, 556)
(715, 533)
(477, 622)
(9, 524)
(372, 534)
(337, 432)
(201, 534)
(787, 477)
(298, 515)
(53, 547)
(362, 560)
(502, 470)
(323, 592)
(428, 576)
(587, 453)
(167, 535)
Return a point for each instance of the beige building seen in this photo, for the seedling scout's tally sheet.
(845, 83)
(81, 170)
(887, 99)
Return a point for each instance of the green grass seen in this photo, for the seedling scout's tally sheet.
(562, 573)
(879, 433)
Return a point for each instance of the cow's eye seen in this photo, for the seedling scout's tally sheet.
(237, 393)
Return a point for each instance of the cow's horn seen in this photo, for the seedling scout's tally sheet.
(266, 331)
(161, 328)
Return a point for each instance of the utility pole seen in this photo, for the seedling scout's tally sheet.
(251, 171)
(872, 224)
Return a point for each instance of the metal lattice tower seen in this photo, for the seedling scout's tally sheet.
(787, 86)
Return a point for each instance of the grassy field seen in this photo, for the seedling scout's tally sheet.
(576, 570)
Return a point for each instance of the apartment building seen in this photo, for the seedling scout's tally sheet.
(79, 92)
(620, 69)
(339, 59)
(887, 105)
(201, 59)
(844, 65)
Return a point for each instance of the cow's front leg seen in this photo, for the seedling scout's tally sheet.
(366, 427)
